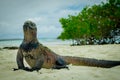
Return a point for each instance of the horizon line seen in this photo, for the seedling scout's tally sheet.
(7, 39)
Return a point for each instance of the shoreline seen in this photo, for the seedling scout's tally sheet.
(12, 47)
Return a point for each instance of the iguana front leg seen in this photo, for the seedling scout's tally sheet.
(19, 59)
(38, 64)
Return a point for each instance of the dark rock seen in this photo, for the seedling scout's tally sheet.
(10, 48)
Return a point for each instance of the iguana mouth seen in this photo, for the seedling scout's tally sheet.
(29, 25)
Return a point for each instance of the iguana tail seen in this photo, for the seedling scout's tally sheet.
(90, 62)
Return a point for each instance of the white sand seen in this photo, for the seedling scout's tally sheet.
(107, 52)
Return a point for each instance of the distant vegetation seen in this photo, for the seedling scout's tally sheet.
(92, 23)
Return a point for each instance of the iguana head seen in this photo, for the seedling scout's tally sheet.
(30, 31)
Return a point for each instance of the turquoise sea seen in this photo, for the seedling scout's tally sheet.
(17, 42)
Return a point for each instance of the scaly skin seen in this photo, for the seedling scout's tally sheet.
(39, 56)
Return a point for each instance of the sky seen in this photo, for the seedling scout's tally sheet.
(45, 13)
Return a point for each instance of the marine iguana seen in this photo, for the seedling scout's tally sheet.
(39, 56)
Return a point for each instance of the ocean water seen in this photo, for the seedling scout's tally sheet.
(17, 42)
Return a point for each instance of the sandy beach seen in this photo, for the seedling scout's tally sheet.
(107, 52)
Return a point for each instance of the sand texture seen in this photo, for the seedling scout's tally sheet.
(107, 52)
